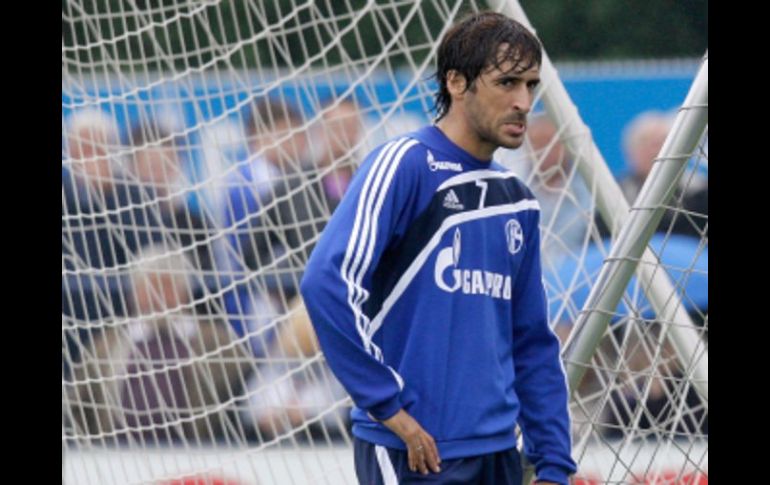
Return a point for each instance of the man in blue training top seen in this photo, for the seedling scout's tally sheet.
(425, 289)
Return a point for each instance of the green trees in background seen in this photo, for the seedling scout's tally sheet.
(164, 34)
(620, 29)
(277, 33)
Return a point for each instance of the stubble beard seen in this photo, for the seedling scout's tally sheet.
(499, 140)
(490, 132)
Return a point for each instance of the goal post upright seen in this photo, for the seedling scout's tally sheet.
(616, 213)
(630, 248)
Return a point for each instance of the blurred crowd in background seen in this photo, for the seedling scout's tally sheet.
(181, 313)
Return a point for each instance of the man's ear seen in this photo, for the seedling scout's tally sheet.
(456, 84)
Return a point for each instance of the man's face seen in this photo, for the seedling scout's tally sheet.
(342, 130)
(157, 166)
(88, 150)
(498, 102)
(291, 148)
(551, 166)
(648, 147)
(159, 292)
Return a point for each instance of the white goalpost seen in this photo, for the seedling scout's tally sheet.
(204, 146)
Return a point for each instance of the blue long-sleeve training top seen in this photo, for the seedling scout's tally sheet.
(425, 291)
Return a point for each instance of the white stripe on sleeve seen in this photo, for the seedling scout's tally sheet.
(355, 248)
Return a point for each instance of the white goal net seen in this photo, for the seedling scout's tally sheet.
(638, 414)
(204, 146)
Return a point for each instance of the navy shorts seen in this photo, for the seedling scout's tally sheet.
(378, 465)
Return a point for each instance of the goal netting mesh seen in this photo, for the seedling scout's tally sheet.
(204, 146)
(637, 416)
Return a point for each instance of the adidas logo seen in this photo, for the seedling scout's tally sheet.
(452, 202)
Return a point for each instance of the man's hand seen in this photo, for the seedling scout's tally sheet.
(421, 447)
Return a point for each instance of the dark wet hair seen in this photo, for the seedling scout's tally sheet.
(472, 45)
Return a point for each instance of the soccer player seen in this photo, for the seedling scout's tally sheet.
(425, 288)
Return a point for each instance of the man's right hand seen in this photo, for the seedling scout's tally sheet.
(421, 448)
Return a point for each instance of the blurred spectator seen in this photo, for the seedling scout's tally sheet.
(690, 199)
(671, 408)
(278, 147)
(279, 205)
(147, 377)
(98, 214)
(156, 165)
(565, 202)
(289, 390)
(91, 137)
(91, 185)
(643, 138)
(157, 170)
(104, 222)
(298, 386)
(302, 205)
(338, 135)
(344, 131)
(303, 195)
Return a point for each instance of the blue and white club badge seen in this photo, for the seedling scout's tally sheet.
(514, 235)
(456, 246)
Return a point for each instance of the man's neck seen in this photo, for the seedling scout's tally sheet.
(454, 126)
